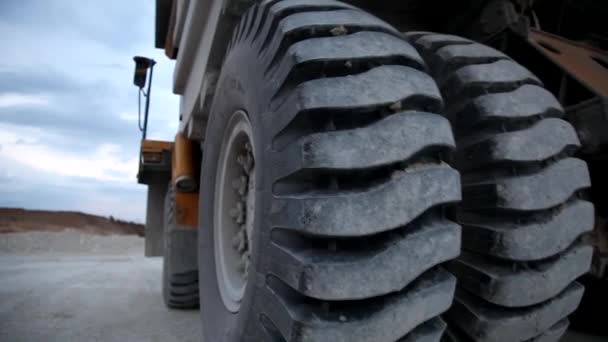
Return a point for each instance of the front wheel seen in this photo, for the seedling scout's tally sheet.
(324, 158)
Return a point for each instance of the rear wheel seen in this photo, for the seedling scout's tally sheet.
(180, 273)
(323, 153)
(521, 213)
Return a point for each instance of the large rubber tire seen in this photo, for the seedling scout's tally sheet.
(348, 230)
(180, 273)
(521, 213)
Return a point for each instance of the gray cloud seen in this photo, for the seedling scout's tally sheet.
(78, 56)
(114, 23)
(83, 113)
(34, 81)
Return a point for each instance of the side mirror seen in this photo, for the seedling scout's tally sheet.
(142, 64)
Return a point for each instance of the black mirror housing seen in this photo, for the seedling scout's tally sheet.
(141, 70)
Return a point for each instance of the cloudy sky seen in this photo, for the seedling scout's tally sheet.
(68, 110)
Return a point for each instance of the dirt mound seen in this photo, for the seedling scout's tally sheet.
(16, 220)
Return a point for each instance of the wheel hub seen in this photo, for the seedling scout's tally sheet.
(233, 210)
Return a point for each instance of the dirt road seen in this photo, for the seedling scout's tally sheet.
(87, 298)
(73, 286)
(50, 290)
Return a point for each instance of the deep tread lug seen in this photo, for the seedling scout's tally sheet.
(396, 138)
(452, 57)
(388, 320)
(477, 79)
(535, 240)
(430, 331)
(527, 101)
(281, 9)
(429, 43)
(296, 5)
(554, 334)
(387, 268)
(314, 24)
(544, 140)
(185, 289)
(345, 52)
(508, 285)
(480, 321)
(413, 35)
(387, 206)
(380, 87)
(542, 190)
(261, 18)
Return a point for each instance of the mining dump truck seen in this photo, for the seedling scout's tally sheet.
(380, 170)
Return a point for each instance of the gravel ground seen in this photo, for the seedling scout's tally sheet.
(70, 286)
(69, 242)
(88, 298)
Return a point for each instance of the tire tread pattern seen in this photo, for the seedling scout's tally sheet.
(521, 213)
(367, 268)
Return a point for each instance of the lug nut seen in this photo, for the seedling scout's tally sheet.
(233, 213)
(240, 159)
(236, 242)
(247, 164)
(242, 184)
(240, 241)
(236, 183)
(242, 188)
(240, 208)
(244, 262)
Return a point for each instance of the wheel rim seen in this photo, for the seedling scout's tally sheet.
(233, 210)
